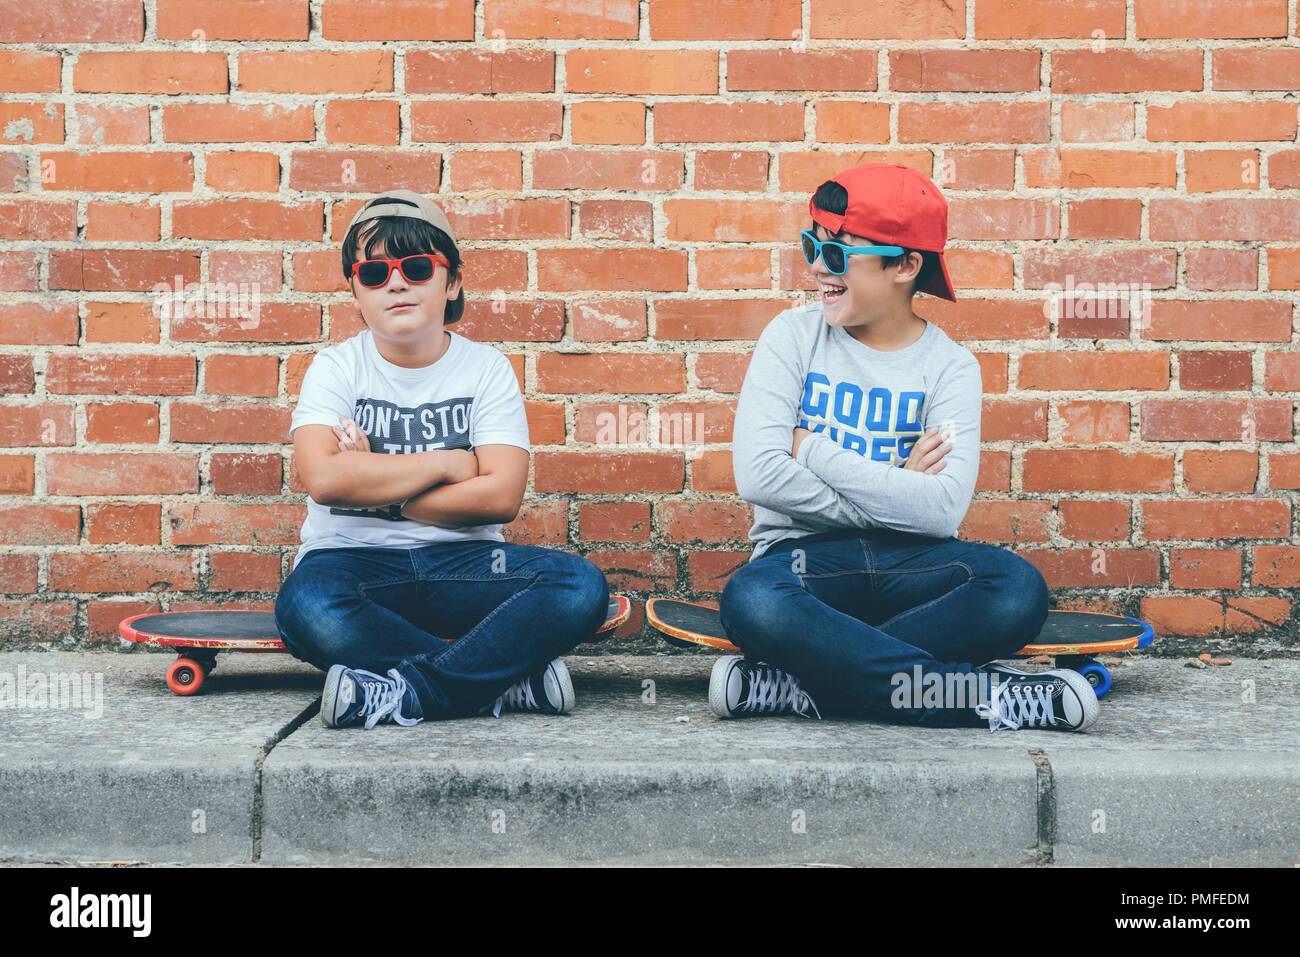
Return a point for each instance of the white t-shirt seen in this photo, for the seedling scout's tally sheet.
(469, 397)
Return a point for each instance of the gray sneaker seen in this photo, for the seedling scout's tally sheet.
(549, 691)
(739, 687)
(1060, 700)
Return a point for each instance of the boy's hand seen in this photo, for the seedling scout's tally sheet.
(928, 452)
(350, 436)
(462, 465)
(799, 436)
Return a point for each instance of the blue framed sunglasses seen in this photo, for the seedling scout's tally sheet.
(834, 255)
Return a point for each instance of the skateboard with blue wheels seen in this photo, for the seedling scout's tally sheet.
(1073, 638)
(197, 636)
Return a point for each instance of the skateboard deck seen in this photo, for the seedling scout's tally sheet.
(197, 636)
(1072, 637)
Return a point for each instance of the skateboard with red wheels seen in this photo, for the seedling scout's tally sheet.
(197, 636)
(1073, 638)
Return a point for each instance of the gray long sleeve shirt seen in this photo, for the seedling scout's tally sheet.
(865, 408)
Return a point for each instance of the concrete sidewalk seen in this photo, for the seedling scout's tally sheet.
(1183, 768)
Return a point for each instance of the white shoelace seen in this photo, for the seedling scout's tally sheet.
(1016, 703)
(383, 697)
(771, 689)
(519, 696)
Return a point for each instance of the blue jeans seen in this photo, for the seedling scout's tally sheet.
(846, 614)
(460, 621)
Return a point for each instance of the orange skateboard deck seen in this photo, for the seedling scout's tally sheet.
(1072, 637)
(197, 636)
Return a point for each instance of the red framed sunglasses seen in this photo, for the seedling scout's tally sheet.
(373, 273)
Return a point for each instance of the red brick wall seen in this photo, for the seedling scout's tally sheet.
(628, 180)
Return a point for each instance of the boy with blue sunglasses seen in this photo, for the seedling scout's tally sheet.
(857, 440)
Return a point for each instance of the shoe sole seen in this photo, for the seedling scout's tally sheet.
(330, 696)
(565, 683)
(718, 686)
(1087, 699)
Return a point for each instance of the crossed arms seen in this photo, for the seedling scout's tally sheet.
(448, 487)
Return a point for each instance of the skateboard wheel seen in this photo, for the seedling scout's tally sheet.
(1098, 676)
(184, 676)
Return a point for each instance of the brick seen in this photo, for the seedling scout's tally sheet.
(608, 474)
(1095, 521)
(476, 219)
(651, 270)
(1218, 519)
(403, 20)
(1238, 320)
(106, 124)
(216, 523)
(123, 523)
(711, 220)
(121, 322)
(603, 122)
(473, 170)
(608, 320)
(1016, 122)
(637, 570)
(1100, 169)
(1009, 522)
(799, 172)
(561, 19)
(820, 70)
(977, 169)
(677, 122)
(1048, 19)
(975, 71)
(714, 319)
(643, 72)
(73, 21)
(30, 71)
(120, 374)
(728, 20)
(711, 472)
(513, 320)
(17, 375)
(122, 423)
(1096, 470)
(1275, 566)
(1116, 266)
(370, 122)
(109, 572)
(1204, 568)
(364, 170)
(321, 71)
(485, 121)
(233, 19)
(1100, 122)
(472, 71)
(160, 73)
(881, 20)
(614, 522)
(1211, 370)
(616, 219)
(243, 171)
(32, 122)
(1215, 420)
(1093, 422)
(616, 372)
(1222, 269)
(1255, 69)
(1213, 170)
(119, 172)
(539, 523)
(989, 219)
(111, 222)
(44, 424)
(1207, 471)
(1094, 371)
(608, 169)
(248, 219)
(731, 170)
(51, 221)
(245, 571)
(1223, 219)
(1125, 71)
(1080, 567)
(1195, 121)
(1199, 20)
(237, 123)
(733, 268)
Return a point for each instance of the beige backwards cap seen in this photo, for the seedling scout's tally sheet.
(424, 209)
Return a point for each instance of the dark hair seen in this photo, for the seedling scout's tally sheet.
(834, 198)
(403, 236)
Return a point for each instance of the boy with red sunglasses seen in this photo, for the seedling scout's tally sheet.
(413, 445)
(857, 439)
